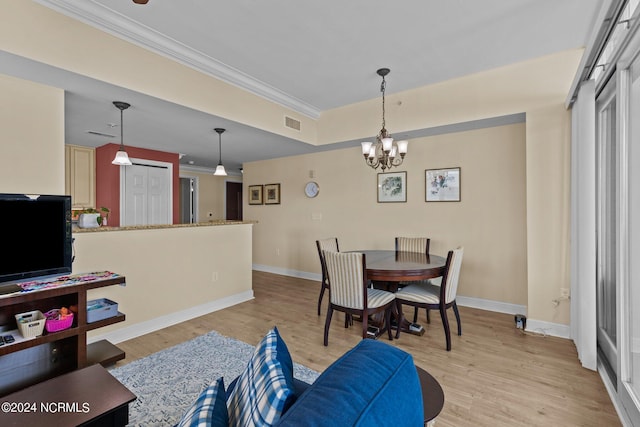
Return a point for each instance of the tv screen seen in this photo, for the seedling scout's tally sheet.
(36, 236)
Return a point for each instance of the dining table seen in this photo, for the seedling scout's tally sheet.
(387, 269)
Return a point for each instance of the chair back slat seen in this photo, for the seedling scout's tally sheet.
(413, 244)
(330, 244)
(453, 275)
(346, 278)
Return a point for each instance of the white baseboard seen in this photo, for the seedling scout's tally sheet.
(497, 306)
(287, 272)
(161, 322)
(548, 328)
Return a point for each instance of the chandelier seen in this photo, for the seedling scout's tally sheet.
(385, 152)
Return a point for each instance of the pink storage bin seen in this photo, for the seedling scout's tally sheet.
(54, 325)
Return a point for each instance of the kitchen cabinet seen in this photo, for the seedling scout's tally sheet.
(80, 176)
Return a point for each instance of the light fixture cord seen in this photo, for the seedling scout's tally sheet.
(121, 131)
(383, 86)
(220, 148)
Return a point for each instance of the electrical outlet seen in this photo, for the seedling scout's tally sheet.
(214, 276)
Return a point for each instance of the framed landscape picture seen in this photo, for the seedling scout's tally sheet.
(272, 194)
(442, 185)
(255, 194)
(392, 187)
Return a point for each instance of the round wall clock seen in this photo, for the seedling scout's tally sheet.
(311, 189)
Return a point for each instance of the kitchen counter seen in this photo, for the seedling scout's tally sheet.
(77, 229)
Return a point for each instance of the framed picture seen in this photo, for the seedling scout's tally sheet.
(255, 194)
(272, 194)
(442, 185)
(392, 187)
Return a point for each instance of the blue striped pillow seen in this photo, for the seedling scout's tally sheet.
(209, 409)
(265, 388)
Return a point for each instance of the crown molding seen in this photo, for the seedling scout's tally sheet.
(116, 24)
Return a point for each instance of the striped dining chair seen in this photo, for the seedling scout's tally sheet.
(349, 293)
(417, 245)
(330, 244)
(413, 244)
(436, 297)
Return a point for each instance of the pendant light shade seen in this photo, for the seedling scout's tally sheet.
(220, 171)
(122, 158)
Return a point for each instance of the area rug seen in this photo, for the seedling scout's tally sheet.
(169, 381)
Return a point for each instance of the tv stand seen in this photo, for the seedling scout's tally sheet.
(30, 361)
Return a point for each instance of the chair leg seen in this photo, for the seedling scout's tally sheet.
(428, 317)
(415, 314)
(365, 324)
(322, 288)
(398, 318)
(326, 325)
(445, 323)
(387, 320)
(455, 310)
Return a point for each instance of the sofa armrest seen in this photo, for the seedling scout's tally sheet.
(373, 384)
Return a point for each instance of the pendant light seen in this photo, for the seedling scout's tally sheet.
(121, 159)
(220, 168)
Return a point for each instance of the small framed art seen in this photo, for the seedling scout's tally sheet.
(442, 185)
(272, 194)
(392, 187)
(255, 195)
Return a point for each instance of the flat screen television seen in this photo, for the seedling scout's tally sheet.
(35, 231)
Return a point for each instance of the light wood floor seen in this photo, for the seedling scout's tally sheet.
(494, 376)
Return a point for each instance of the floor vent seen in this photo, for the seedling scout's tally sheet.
(292, 123)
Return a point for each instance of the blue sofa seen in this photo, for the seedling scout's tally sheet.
(373, 384)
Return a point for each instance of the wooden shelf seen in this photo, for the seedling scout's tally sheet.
(104, 353)
(30, 361)
(120, 317)
(42, 339)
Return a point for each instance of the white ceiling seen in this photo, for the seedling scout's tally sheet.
(308, 56)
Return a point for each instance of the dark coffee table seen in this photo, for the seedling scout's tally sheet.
(432, 395)
(87, 397)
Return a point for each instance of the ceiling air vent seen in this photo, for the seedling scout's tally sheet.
(106, 135)
(292, 123)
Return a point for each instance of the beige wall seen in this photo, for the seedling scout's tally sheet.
(167, 270)
(32, 148)
(490, 220)
(548, 211)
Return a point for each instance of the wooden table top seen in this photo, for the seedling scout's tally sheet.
(392, 266)
(432, 394)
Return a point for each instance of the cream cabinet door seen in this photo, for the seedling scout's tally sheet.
(80, 178)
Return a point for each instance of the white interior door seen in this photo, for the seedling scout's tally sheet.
(146, 193)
